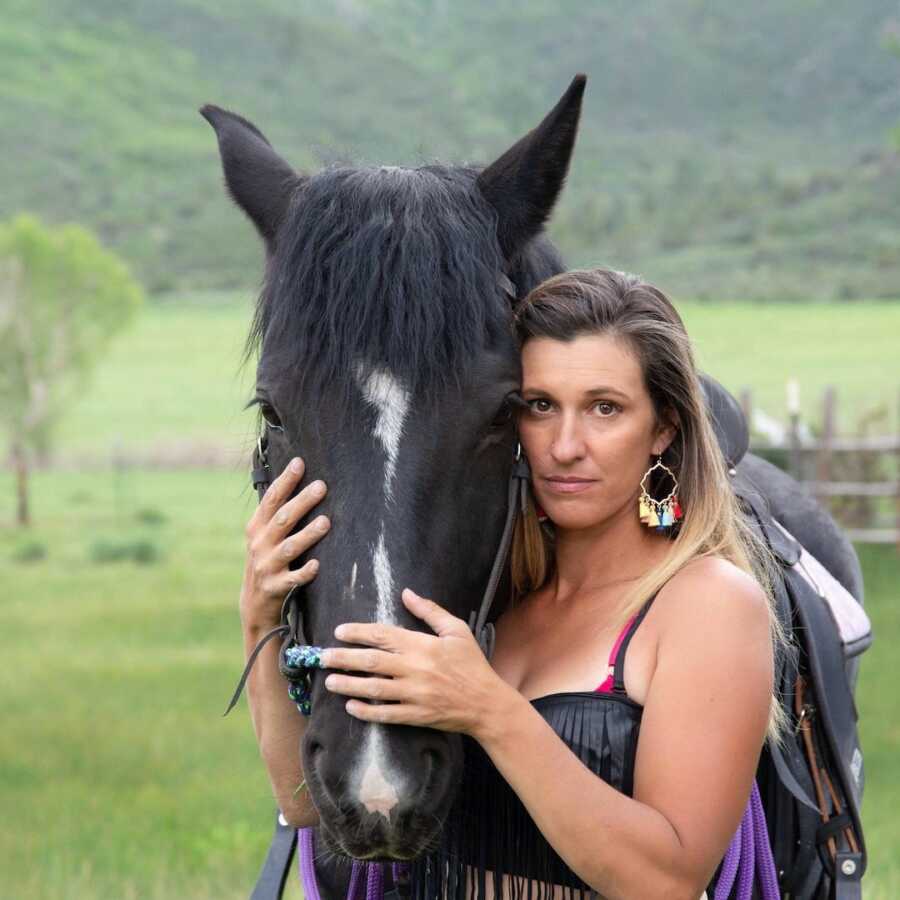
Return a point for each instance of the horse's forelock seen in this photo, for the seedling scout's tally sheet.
(393, 268)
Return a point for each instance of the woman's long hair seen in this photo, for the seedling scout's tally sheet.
(602, 301)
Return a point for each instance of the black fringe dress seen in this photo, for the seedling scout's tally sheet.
(491, 846)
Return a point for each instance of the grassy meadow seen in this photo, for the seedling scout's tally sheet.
(118, 776)
(174, 380)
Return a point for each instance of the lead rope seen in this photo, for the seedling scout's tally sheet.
(749, 854)
(374, 873)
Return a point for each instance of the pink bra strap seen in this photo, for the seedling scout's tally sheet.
(607, 684)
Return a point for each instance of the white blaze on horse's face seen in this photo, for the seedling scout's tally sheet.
(391, 400)
(377, 781)
(377, 791)
(384, 582)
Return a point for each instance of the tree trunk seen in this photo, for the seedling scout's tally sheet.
(20, 463)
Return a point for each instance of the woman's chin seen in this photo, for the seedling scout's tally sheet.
(574, 520)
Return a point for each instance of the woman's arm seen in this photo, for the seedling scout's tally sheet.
(703, 725)
(702, 729)
(278, 725)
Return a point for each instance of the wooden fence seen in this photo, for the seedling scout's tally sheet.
(822, 461)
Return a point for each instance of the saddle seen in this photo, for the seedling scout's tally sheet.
(728, 421)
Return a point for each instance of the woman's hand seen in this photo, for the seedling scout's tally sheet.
(267, 578)
(439, 681)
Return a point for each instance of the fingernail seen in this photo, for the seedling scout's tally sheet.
(296, 465)
(318, 487)
(339, 631)
(329, 682)
(322, 523)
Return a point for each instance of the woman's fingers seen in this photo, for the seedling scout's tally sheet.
(271, 548)
(295, 509)
(351, 659)
(283, 582)
(276, 494)
(385, 689)
(388, 713)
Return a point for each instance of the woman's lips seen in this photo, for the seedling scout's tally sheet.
(569, 485)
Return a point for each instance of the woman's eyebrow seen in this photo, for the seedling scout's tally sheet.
(606, 390)
(599, 391)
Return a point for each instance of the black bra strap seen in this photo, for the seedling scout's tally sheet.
(619, 670)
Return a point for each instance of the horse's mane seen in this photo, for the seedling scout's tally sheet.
(388, 267)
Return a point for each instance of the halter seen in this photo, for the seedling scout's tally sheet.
(297, 660)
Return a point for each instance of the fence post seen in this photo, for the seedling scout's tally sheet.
(823, 454)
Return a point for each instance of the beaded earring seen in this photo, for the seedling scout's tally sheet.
(659, 514)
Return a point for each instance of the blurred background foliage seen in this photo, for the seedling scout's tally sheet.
(731, 153)
(727, 150)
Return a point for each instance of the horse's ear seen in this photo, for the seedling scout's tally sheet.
(258, 179)
(523, 184)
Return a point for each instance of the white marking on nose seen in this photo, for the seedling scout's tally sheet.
(391, 401)
(377, 791)
(384, 582)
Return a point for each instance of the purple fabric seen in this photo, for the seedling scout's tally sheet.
(729, 866)
(749, 857)
(745, 872)
(356, 873)
(307, 853)
(375, 882)
(765, 864)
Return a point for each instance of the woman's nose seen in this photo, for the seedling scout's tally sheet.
(568, 442)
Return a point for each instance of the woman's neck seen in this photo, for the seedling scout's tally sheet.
(617, 550)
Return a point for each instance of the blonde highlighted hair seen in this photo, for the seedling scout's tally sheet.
(602, 301)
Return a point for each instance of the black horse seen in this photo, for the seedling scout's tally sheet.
(386, 357)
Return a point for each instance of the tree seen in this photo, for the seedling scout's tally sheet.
(62, 297)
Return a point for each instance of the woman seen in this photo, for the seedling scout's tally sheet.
(611, 415)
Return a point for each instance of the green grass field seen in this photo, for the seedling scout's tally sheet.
(118, 776)
(174, 379)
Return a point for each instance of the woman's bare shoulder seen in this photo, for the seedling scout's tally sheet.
(711, 593)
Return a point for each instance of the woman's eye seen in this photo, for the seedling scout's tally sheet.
(270, 416)
(539, 405)
(606, 408)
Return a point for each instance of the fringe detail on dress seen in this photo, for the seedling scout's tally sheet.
(489, 833)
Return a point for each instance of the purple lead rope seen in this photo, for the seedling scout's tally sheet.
(749, 853)
(374, 872)
(308, 864)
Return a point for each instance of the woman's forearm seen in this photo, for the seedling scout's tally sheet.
(271, 548)
(279, 729)
(620, 847)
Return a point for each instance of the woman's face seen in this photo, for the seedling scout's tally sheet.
(590, 429)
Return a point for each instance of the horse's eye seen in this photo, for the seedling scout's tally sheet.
(270, 416)
(503, 415)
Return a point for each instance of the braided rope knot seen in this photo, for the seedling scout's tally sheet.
(296, 663)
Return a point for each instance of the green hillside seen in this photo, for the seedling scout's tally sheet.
(727, 150)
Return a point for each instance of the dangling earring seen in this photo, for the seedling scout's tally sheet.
(659, 514)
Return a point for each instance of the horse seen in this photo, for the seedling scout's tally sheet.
(386, 358)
